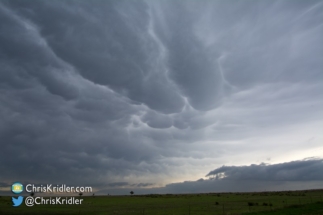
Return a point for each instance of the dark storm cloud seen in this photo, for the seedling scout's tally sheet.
(3, 184)
(144, 184)
(292, 171)
(108, 43)
(151, 92)
(126, 184)
(302, 174)
(205, 88)
(156, 120)
(118, 184)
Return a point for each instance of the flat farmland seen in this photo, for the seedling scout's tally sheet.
(286, 202)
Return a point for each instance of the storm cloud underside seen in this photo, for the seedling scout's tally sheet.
(147, 93)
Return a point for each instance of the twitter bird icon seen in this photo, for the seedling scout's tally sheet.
(17, 201)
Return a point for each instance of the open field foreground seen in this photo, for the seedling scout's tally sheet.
(287, 202)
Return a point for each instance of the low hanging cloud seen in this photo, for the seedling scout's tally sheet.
(304, 170)
(294, 175)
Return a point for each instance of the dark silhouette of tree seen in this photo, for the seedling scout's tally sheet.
(32, 194)
(250, 204)
(131, 192)
(80, 194)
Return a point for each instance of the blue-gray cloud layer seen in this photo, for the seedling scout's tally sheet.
(295, 175)
(151, 92)
(291, 171)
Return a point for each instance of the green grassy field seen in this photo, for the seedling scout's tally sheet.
(291, 202)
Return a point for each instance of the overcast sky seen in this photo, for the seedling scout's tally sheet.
(146, 95)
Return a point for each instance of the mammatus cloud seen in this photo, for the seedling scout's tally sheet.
(151, 92)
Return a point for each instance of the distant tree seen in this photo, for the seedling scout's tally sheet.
(93, 195)
(80, 194)
(131, 192)
(32, 194)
